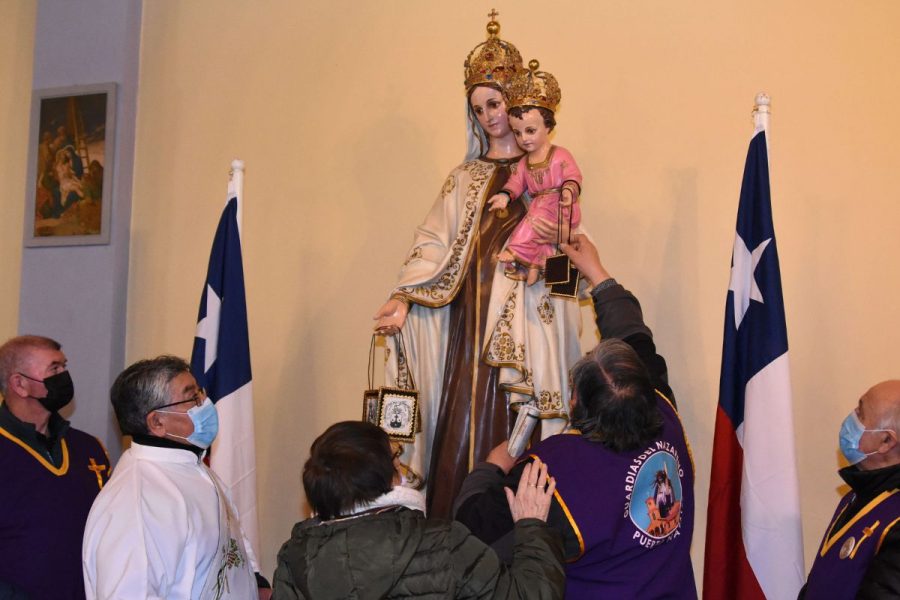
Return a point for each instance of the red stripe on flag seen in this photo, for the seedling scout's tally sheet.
(726, 571)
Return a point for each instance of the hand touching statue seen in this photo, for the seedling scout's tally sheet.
(535, 492)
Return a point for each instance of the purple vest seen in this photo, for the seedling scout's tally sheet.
(43, 510)
(845, 554)
(633, 513)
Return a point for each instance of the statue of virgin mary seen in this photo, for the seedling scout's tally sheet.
(476, 343)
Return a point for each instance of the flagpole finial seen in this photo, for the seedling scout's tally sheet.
(761, 112)
(236, 187)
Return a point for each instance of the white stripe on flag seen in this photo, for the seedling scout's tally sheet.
(770, 499)
(234, 459)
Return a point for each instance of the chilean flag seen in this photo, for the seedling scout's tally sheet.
(220, 363)
(754, 544)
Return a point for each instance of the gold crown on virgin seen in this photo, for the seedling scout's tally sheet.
(534, 88)
(493, 60)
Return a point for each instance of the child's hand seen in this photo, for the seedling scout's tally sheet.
(567, 198)
(498, 202)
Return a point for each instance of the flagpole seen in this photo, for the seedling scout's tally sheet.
(761, 113)
(754, 538)
(220, 362)
(236, 189)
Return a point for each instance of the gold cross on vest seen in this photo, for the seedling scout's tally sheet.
(97, 469)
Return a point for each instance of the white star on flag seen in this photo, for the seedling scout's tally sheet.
(743, 278)
(208, 327)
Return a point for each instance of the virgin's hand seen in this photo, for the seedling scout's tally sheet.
(498, 202)
(546, 230)
(391, 317)
(532, 499)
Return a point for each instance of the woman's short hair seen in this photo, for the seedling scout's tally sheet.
(615, 400)
(351, 463)
(546, 113)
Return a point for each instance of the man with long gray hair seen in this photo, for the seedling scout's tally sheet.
(164, 526)
(625, 476)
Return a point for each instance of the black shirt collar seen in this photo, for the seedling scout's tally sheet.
(868, 484)
(42, 444)
(159, 442)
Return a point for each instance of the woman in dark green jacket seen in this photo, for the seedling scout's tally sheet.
(369, 537)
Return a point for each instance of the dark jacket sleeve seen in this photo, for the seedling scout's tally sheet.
(619, 316)
(882, 578)
(283, 587)
(482, 507)
(536, 571)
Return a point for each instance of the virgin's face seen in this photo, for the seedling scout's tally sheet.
(490, 110)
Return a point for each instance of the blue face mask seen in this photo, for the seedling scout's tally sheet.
(206, 424)
(852, 430)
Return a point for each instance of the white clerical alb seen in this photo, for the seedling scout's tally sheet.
(163, 527)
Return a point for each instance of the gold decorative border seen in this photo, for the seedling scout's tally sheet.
(830, 540)
(544, 163)
(570, 518)
(885, 532)
(867, 533)
(62, 470)
(444, 288)
(687, 442)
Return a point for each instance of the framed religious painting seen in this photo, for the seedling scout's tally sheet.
(398, 413)
(70, 165)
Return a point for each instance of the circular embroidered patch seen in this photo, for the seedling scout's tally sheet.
(655, 506)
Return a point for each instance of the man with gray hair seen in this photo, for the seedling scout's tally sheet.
(164, 527)
(51, 473)
(624, 499)
(860, 554)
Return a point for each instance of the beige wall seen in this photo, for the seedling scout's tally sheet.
(16, 54)
(349, 114)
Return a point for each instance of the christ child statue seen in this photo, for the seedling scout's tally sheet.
(549, 173)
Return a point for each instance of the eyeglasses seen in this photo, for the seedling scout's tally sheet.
(197, 398)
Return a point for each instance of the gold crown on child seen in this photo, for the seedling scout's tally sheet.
(493, 61)
(534, 88)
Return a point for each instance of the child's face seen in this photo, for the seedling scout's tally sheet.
(531, 133)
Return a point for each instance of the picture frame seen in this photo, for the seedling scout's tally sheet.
(398, 413)
(70, 166)
(371, 404)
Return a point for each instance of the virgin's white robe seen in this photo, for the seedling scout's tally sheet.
(532, 336)
(162, 527)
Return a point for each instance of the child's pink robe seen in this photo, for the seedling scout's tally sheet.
(544, 184)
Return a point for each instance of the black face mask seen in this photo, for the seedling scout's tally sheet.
(60, 390)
